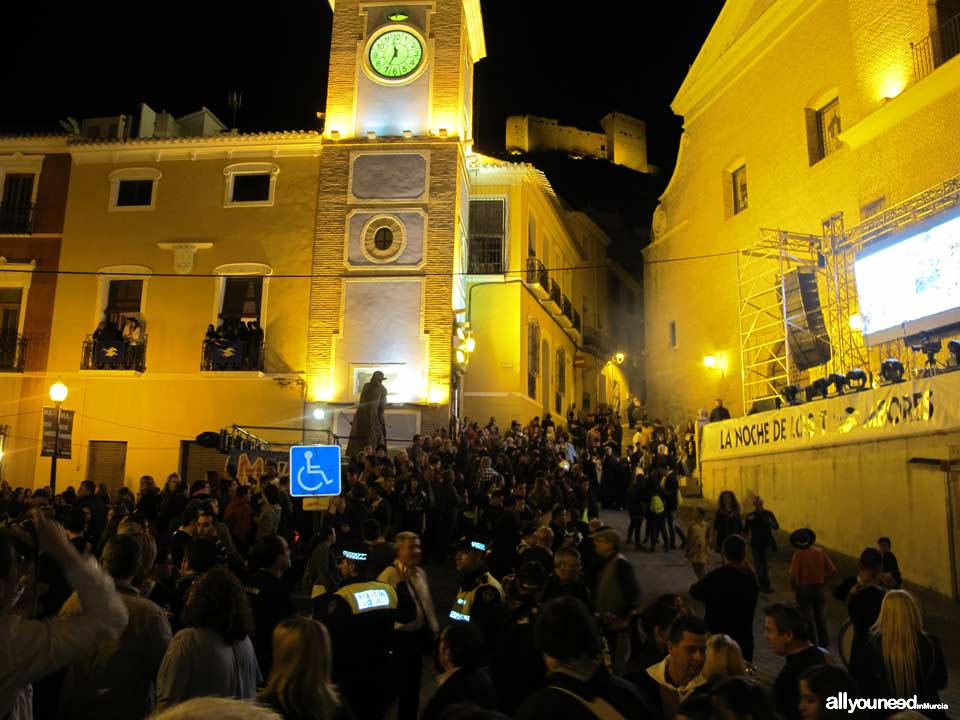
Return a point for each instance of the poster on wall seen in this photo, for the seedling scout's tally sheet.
(251, 464)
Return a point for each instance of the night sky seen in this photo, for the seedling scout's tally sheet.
(561, 61)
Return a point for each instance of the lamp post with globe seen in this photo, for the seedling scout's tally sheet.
(58, 393)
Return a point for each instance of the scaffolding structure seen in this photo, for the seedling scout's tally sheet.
(766, 364)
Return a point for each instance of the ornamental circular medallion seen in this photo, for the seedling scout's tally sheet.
(383, 239)
(395, 55)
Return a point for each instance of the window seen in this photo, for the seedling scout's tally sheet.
(561, 371)
(739, 178)
(828, 127)
(250, 184)
(19, 176)
(133, 189)
(241, 298)
(123, 299)
(487, 254)
(533, 357)
(383, 239)
(673, 334)
(251, 188)
(134, 192)
(531, 237)
(10, 351)
(823, 129)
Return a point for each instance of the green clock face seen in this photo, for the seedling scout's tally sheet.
(396, 54)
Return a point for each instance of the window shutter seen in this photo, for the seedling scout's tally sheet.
(195, 460)
(106, 463)
(124, 296)
(241, 297)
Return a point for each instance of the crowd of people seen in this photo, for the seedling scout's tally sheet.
(225, 598)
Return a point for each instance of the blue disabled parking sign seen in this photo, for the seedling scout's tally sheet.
(314, 470)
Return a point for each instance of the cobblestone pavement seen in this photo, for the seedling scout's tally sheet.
(669, 572)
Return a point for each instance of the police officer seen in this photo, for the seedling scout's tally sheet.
(360, 617)
(480, 593)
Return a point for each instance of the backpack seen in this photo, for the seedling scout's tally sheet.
(656, 505)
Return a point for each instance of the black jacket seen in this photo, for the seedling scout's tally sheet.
(559, 698)
(730, 595)
(473, 686)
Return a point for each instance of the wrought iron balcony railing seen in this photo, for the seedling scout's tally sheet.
(537, 274)
(576, 322)
(114, 354)
(936, 48)
(223, 355)
(16, 219)
(556, 297)
(568, 309)
(13, 352)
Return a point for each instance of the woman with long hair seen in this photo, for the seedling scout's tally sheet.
(905, 660)
(727, 521)
(214, 654)
(820, 683)
(299, 686)
(724, 659)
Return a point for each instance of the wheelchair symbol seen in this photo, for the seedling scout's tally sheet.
(314, 470)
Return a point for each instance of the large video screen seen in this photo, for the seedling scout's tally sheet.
(912, 286)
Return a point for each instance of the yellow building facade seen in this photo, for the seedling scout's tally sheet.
(196, 282)
(862, 127)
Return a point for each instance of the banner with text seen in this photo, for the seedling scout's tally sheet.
(914, 407)
(252, 463)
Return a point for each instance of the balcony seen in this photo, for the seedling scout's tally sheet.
(936, 48)
(565, 318)
(13, 351)
(576, 329)
(486, 256)
(114, 354)
(538, 280)
(16, 219)
(554, 301)
(223, 355)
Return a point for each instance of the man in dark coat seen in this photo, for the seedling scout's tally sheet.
(369, 424)
(578, 687)
(730, 594)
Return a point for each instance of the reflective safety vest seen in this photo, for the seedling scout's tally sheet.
(368, 597)
(463, 605)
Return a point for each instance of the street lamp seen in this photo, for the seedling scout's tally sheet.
(58, 393)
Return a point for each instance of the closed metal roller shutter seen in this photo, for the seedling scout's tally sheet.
(106, 463)
(195, 460)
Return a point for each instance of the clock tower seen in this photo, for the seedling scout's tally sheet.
(392, 208)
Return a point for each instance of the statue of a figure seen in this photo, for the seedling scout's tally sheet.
(369, 425)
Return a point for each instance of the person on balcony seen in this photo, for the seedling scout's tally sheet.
(132, 332)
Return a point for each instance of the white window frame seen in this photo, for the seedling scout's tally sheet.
(18, 275)
(20, 164)
(239, 270)
(231, 171)
(141, 173)
(106, 275)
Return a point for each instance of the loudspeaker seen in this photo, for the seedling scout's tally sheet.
(806, 331)
(764, 405)
(209, 439)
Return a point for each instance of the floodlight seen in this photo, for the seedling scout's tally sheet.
(891, 370)
(857, 379)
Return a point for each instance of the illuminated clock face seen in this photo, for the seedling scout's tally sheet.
(396, 54)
